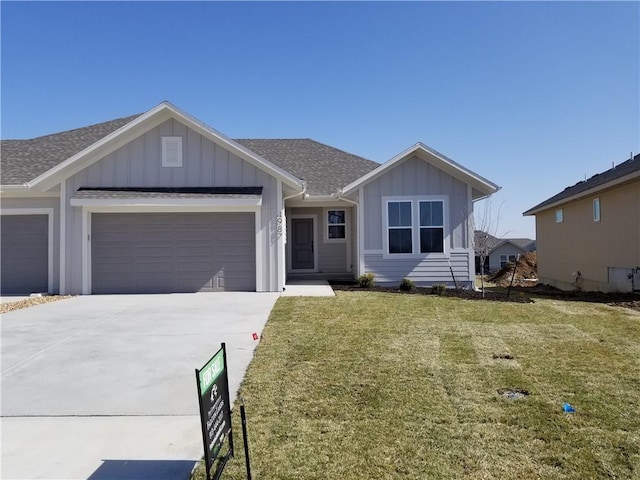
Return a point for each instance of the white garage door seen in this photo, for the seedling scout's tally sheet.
(25, 254)
(172, 252)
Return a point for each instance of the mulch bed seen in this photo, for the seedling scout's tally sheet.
(519, 294)
(515, 297)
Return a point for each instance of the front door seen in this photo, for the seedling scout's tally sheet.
(302, 244)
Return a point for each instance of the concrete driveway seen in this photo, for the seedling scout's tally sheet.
(103, 387)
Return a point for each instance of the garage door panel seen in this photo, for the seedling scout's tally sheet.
(175, 252)
(24, 254)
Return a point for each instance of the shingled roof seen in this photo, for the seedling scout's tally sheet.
(619, 171)
(24, 160)
(324, 168)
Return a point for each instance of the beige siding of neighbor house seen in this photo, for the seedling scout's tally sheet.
(205, 164)
(579, 243)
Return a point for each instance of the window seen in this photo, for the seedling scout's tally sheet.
(506, 259)
(400, 227)
(432, 227)
(336, 224)
(596, 209)
(414, 226)
(559, 216)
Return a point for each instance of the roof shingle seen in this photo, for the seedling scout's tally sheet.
(24, 160)
(619, 171)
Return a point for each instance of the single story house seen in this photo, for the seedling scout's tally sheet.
(161, 202)
(500, 251)
(588, 235)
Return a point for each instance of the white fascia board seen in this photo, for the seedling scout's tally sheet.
(586, 193)
(101, 148)
(243, 152)
(141, 124)
(22, 191)
(434, 157)
(166, 203)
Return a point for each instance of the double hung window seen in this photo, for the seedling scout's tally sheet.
(415, 226)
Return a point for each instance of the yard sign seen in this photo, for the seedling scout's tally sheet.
(215, 410)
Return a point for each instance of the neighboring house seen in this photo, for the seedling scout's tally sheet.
(500, 251)
(161, 202)
(588, 235)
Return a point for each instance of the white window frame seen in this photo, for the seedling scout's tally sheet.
(415, 226)
(597, 214)
(559, 215)
(326, 238)
(166, 160)
(505, 258)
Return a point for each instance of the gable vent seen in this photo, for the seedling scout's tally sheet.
(171, 151)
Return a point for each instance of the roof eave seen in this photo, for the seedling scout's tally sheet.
(598, 188)
(152, 118)
(480, 183)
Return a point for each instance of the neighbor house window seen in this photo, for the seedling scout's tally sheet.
(506, 259)
(415, 225)
(336, 224)
(559, 215)
(432, 226)
(400, 226)
(596, 209)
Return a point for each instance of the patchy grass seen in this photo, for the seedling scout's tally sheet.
(386, 386)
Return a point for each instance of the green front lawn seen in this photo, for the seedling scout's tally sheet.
(373, 385)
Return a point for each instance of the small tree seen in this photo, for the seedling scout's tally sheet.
(485, 228)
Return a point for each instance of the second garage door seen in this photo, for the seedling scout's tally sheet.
(172, 252)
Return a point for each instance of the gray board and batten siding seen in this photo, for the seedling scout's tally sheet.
(205, 164)
(416, 177)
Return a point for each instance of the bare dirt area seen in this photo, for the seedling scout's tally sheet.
(627, 300)
(30, 302)
(526, 272)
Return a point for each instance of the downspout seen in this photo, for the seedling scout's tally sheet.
(358, 233)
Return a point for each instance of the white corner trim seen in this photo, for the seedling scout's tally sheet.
(280, 264)
(63, 238)
(49, 213)
(360, 233)
(86, 251)
(259, 248)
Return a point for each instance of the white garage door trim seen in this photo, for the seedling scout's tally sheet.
(86, 232)
(49, 213)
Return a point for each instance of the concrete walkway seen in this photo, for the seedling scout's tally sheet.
(103, 387)
(308, 288)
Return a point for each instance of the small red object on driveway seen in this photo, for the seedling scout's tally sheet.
(255, 336)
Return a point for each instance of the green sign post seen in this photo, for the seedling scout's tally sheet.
(215, 411)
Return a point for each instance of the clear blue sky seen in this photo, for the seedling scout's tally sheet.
(533, 96)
